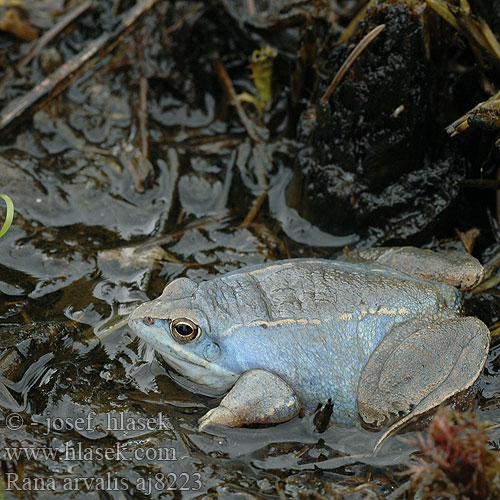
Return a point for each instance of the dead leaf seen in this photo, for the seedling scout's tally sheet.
(12, 23)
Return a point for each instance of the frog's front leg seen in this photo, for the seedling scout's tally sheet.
(454, 268)
(411, 372)
(257, 397)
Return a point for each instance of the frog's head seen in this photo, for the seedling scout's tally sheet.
(181, 333)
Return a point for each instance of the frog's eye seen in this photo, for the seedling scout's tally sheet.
(184, 330)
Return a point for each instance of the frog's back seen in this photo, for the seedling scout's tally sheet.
(281, 316)
(323, 290)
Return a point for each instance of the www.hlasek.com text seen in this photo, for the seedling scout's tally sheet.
(78, 452)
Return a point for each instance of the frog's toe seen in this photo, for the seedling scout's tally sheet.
(411, 373)
(258, 397)
(219, 416)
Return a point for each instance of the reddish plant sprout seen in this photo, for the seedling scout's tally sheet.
(456, 459)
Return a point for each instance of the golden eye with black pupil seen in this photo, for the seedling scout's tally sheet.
(184, 329)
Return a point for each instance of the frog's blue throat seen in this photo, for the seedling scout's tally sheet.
(184, 359)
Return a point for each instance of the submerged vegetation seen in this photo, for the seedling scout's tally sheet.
(457, 460)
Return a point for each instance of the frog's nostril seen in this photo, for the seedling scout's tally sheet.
(148, 320)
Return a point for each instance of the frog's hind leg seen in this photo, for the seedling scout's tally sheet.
(411, 372)
(257, 397)
(455, 268)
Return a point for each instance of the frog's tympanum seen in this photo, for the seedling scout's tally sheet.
(378, 333)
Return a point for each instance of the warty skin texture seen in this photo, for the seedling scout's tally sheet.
(313, 322)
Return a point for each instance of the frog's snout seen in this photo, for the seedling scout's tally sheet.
(143, 314)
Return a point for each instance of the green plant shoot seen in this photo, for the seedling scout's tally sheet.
(10, 214)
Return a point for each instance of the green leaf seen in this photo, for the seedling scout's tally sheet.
(10, 214)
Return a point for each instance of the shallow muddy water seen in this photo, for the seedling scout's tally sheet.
(103, 223)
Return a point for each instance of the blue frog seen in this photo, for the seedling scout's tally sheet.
(378, 333)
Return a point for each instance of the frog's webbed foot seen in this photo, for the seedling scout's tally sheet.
(410, 373)
(257, 397)
(455, 268)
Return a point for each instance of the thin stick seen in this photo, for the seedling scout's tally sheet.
(252, 213)
(173, 165)
(183, 19)
(352, 26)
(222, 201)
(482, 183)
(350, 60)
(49, 35)
(260, 156)
(143, 115)
(116, 7)
(251, 7)
(46, 38)
(65, 74)
(228, 85)
(498, 199)
(142, 112)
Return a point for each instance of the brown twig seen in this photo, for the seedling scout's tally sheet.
(482, 183)
(251, 7)
(479, 34)
(222, 201)
(142, 112)
(49, 35)
(374, 33)
(254, 210)
(65, 74)
(498, 199)
(143, 115)
(228, 85)
(46, 38)
(260, 156)
(116, 7)
(353, 25)
(491, 105)
(183, 19)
